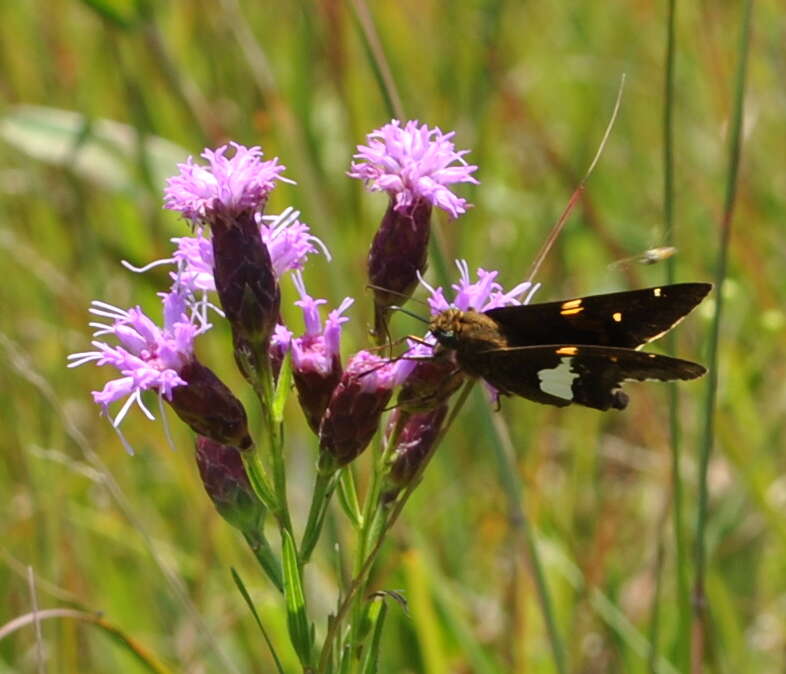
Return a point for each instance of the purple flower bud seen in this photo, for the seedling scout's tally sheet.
(316, 359)
(414, 165)
(207, 405)
(227, 195)
(246, 284)
(430, 379)
(227, 485)
(355, 407)
(415, 441)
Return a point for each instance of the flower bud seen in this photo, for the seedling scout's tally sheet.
(398, 254)
(430, 378)
(245, 281)
(415, 441)
(415, 165)
(207, 405)
(354, 410)
(227, 485)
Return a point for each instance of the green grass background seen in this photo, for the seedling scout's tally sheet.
(529, 88)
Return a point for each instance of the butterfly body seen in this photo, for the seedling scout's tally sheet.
(574, 351)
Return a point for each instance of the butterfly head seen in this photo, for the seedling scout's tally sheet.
(446, 327)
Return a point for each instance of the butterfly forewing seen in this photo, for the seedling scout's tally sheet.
(626, 319)
(586, 375)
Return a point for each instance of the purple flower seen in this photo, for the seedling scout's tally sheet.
(316, 359)
(280, 343)
(482, 295)
(147, 357)
(225, 187)
(413, 163)
(289, 241)
(355, 407)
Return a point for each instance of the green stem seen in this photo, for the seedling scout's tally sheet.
(708, 437)
(678, 515)
(334, 623)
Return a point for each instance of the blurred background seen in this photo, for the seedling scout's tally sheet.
(101, 98)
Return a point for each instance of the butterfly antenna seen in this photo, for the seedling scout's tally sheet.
(557, 228)
(410, 313)
(395, 292)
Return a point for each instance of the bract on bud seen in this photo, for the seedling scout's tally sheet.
(355, 407)
(413, 445)
(207, 405)
(226, 483)
(398, 254)
(245, 282)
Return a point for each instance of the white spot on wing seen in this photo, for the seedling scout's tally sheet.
(558, 381)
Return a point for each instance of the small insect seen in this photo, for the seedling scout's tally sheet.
(650, 256)
(575, 351)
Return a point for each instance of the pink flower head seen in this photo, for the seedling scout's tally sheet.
(413, 163)
(225, 186)
(317, 349)
(289, 241)
(316, 359)
(147, 357)
(482, 295)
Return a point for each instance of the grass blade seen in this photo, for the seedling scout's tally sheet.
(698, 630)
(247, 598)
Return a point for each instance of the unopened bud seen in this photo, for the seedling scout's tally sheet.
(398, 253)
(414, 443)
(226, 483)
(354, 410)
(207, 405)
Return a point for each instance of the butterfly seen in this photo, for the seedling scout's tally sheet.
(572, 351)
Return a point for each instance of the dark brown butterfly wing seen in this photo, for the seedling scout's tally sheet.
(586, 375)
(625, 319)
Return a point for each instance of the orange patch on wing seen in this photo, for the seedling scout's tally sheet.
(567, 351)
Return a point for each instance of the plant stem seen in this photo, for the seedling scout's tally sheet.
(334, 623)
(678, 515)
(698, 630)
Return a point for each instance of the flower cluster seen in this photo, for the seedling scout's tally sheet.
(241, 254)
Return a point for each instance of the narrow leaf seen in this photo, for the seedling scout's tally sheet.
(348, 497)
(244, 593)
(283, 387)
(376, 615)
(297, 619)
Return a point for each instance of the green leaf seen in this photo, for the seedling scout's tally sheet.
(297, 618)
(242, 588)
(99, 150)
(348, 496)
(265, 556)
(376, 616)
(283, 387)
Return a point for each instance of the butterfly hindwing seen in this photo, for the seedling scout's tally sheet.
(626, 319)
(583, 374)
